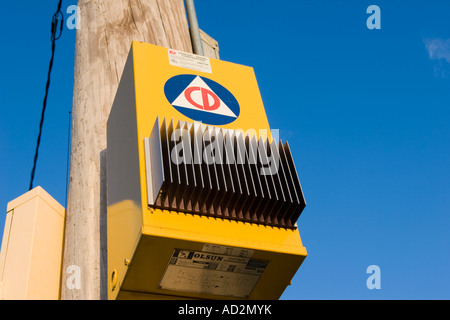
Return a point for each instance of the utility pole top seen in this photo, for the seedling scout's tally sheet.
(103, 41)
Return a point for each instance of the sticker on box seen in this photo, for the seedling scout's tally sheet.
(215, 274)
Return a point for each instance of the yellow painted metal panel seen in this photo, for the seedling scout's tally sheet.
(179, 225)
(152, 71)
(32, 247)
(143, 248)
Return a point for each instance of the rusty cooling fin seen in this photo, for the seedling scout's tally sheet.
(211, 171)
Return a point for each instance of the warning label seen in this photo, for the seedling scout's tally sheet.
(228, 251)
(209, 273)
(189, 61)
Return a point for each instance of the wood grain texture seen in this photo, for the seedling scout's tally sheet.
(102, 45)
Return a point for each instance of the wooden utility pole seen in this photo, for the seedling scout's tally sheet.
(103, 42)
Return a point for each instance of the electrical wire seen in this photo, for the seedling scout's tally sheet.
(57, 20)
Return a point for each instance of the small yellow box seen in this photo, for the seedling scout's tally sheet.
(31, 255)
(162, 254)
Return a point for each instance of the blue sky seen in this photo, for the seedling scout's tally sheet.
(366, 113)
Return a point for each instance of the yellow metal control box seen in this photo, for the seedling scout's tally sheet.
(192, 250)
(32, 246)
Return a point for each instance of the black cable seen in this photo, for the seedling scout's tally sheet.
(58, 18)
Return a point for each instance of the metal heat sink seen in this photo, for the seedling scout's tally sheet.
(222, 173)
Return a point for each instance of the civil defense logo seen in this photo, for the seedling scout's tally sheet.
(202, 99)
